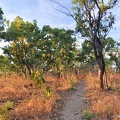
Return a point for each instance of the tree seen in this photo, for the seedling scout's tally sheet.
(1, 23)
(22, 37)
(93, 21)
(64, 47)
(57, 47)
(86, 56)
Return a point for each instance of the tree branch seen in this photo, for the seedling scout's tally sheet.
(68, 14)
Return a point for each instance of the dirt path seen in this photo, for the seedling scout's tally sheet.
(74, 105)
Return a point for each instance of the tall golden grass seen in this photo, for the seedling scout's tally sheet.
(105, 104)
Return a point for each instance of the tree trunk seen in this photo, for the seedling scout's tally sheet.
(30, 71)
(98, 49)
(24, 71)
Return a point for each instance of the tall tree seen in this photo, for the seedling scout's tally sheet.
(22, 37)
(94, 20)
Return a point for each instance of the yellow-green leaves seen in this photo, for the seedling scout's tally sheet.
(78, 1)
(44, 49)
(4, 110)
(38, 78)
(23, 37)
(103, 6)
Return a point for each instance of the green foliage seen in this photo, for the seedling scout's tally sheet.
(47, 92)
(8, 105)
(38, 78)
(60, 51)
(1, 21)
(72, 88)
(87, 18)
(22, 37)
(5, 65)
(4, 110)
(1, 14)
(46, 49)
(86, 56)
(110, 51)
(112, 48)
(88, 115)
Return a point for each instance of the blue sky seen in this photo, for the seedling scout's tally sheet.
(45, 14)
(41, 10)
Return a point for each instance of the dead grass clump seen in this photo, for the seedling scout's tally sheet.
(34, 108)
(104, 104)
(62, 83)
(28, 109)
(93, 81)
(7, 92)
(114, 82)
(12, 89)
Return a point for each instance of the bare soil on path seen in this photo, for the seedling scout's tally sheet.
(74, 105)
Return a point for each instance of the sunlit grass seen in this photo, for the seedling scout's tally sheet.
(103, 103)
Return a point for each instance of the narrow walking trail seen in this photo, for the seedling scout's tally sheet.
(75, 104)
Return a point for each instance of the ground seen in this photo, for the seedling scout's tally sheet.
(74, 103)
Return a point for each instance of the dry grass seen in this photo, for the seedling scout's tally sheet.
(30, 102)
(104, 104)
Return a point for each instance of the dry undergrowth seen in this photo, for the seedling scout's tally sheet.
(105, 104)
(30, 102)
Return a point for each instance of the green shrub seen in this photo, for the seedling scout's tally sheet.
(72, 88)
(38, 78)
(48, 92)
(88, 115)
(4, 110)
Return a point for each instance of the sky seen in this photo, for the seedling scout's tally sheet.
(40, 10)
(45, 14)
